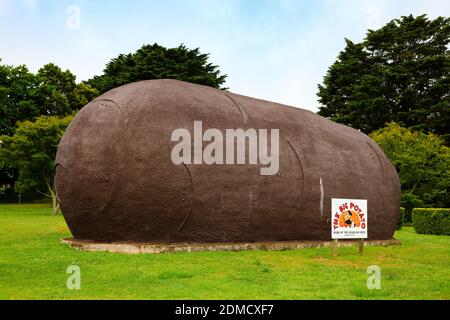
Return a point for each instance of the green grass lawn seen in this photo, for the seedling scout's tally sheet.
(33, 265)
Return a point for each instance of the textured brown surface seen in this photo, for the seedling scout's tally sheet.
(116, 180)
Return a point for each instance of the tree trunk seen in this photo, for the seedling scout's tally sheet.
(55, 202)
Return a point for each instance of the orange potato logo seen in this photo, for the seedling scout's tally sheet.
(349, 219)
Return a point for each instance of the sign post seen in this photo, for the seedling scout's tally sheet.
(361, 246)
(348, 221)
(335, 247)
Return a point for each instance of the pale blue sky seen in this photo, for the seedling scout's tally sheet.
(275, 50)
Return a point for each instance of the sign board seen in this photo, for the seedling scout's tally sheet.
(348, 219)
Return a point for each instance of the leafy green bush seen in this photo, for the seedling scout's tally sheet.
(422, 162)
(432, 221)
(400, 219)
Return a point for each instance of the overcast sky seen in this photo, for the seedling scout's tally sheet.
(274, 50)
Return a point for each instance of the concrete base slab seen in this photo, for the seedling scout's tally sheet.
(135, 248)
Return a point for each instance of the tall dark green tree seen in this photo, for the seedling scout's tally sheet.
(399, 73)
(157, 62)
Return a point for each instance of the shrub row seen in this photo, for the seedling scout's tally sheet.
(431, 221)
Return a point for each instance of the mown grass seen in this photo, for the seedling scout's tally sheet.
(33, 265)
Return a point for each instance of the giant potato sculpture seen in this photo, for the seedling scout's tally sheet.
(116, 180)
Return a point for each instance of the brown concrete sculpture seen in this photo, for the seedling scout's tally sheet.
(116, 180)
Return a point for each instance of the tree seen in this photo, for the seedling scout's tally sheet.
(32, 151)
(82, 95)
(7, 177)
(58, 93)
(17, 87)
(25, 96)
(399, 73)
(422, 162)
(157, 62)
(17, 97)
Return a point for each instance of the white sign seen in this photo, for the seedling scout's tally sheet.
(348, 219)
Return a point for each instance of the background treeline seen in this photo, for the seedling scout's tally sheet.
(24, 97)
(394, 86)
(51, 91)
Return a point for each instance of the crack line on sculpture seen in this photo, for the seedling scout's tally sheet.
(321, 199)
(241, 110)
(299, 162)
(190, 199)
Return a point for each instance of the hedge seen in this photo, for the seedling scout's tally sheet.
(432, 221)
(400, 219)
